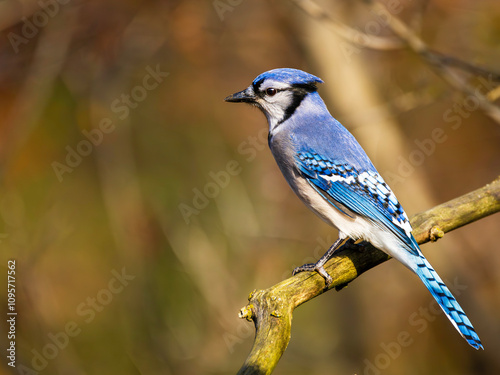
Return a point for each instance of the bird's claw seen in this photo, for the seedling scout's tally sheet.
(314, 267)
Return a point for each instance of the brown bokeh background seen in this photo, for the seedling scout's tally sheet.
(151, 76)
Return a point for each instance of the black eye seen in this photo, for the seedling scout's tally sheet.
(271, 92)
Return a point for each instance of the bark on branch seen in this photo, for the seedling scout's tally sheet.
(271, 309)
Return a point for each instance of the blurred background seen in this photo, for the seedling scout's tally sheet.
(141, 209)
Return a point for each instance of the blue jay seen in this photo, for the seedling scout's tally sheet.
(331, 173)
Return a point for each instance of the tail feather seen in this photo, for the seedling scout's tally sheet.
(446, 301)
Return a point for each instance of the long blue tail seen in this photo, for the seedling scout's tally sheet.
(446, 300)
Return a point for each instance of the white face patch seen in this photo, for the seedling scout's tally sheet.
(275, 106)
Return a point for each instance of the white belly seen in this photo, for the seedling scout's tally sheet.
(355, 227)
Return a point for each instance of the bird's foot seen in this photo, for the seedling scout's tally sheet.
(315, 267)
(319, 265)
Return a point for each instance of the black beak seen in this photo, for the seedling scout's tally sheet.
(245, 96)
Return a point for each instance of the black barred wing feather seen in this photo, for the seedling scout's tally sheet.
(364, 193)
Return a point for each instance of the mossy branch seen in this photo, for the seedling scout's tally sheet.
(271, 309)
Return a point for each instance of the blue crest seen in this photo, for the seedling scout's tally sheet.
(288, 75)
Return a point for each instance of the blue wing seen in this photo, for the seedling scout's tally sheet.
(363, 193)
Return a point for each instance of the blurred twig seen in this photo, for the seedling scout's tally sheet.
(440, 61)
(349, 34)
(48, 60)
(407, 37)
(271, 309)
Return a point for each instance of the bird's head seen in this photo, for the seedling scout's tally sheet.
(277, 93)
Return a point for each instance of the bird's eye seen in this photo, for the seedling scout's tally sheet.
(271, 92)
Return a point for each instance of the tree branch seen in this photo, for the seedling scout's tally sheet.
(405, 36)
(271, 309)
(442, 62)
(351, 35)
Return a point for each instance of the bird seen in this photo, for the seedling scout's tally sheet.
(330, 172)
